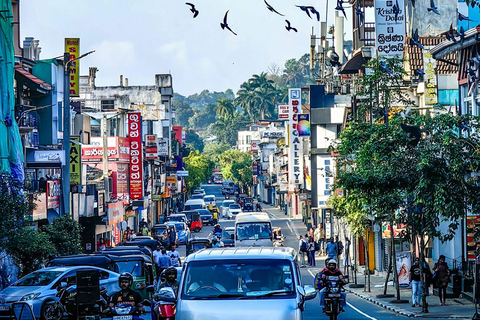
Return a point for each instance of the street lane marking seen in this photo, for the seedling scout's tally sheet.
(362, 313)
(348, 303)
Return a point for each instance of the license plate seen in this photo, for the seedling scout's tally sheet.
(334, 295)
(129, 317)
(4, 308)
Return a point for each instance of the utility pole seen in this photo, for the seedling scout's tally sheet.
(105, 158)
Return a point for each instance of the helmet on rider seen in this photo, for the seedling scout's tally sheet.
(171, 274)
(125, 281)
(332, 264)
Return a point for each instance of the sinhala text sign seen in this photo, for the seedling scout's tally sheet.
(389, 28)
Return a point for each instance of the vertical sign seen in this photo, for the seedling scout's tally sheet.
(72, 47)
(54, 192)
(304, 125)
(178, 133)
(136, 152)
(430, 78)
(295, 146)
(389, 28)
(151, 149)
(75, 161)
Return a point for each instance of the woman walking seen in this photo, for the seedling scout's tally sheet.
(442, 278)
(311, 252)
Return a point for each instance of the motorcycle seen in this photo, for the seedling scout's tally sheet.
(66, 304)
(165, 304)
(213, 234)
(333, 296)
(125, 312)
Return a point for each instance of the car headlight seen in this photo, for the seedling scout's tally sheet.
(30, 296)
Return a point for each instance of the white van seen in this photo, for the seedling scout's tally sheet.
(193, 204)
(253, 229)
(242, 283)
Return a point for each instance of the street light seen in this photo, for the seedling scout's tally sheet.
(66, 129)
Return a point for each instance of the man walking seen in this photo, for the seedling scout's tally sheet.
(331, 250)
(319, 237)
(163, 262)
(302, 250)
(174, 257)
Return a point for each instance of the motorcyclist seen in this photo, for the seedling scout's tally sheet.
(332, 270)
(126, 295)
(169, 280)
(217, 229)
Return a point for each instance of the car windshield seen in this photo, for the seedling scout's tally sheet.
(227, 203)
(254, 230)
(194, 206)
(39, 278)
(245, 278)
(203, 211)
(180, 226)
(177, 218)
(208, 198)
(234, 206)
(197, 196)
(133, 267)
(227, 234)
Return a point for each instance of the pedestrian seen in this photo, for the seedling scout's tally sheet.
(346, 257)
(331, 250)
(163, 262)
(311, 251)
(101, 245)
(172, 236)
(319, 237)
(156, 255)
(302, 250)
(416, 282)
(174, 257)
(310, 232)
(441, 278)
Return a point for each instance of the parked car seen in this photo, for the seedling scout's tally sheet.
(206, 216)
(39, 287)
(209, 200)
(224, 207)
(152, 244)
(183, 232)
(234, 209)
(228, 237)
(177, 217)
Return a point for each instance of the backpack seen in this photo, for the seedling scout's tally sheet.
(318, 283)
(340, 247)
(317, 246)
(303, 246)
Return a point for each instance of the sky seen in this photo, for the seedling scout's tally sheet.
(141, 38)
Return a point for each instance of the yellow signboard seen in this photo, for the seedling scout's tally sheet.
(171, 180)
(75, 161)
(72, 47)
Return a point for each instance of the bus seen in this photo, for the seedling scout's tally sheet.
(217, 176)
(253, 229)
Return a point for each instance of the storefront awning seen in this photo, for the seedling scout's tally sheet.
(33, 82)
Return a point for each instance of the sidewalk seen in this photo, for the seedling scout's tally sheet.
(457, 308)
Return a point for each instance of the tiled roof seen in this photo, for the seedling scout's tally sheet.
(42, 84)
(415, 55)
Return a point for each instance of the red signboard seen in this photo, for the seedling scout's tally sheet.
(151, 151)
(136, 152)
(53, 194)
(118, 150)
(178, 133)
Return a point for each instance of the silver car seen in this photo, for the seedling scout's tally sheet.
(39, 287)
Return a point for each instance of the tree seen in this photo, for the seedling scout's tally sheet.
(183, 112)
(199, 169)
(65, 234)
(194, 140)
(224, 108)
(214, 150)
(236, 166)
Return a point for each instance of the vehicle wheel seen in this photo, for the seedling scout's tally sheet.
(197, 229)
(50, 311)
(334, 314)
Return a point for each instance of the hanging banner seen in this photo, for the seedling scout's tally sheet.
(295, 145)
(72, 47)
(389, 28)
(430, 77)
(136, 153)
(151, 149)
(54, 191)
(303, 125)
(404, 262)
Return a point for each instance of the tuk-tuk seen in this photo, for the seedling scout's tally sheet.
(94, 260)
(196, 244)
(143, 250)
(140, 267)
(248, 205)
(152, 244)
(196, 224)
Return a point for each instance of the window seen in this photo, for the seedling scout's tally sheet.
(327, 162)
(327, 186)
(108, 104)
(327, 192)
(249, 139)
(327, 168)
(327, 180)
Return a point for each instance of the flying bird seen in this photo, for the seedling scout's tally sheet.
(341, 8)
(269, 7)
(414, 40)
(451, 34)
(225, 24)
(303, 8)
(192, 8)
(384, 67)
(396, 10)
(420, 73)
(289, 27)
(462, 17)
(433, 7)
(314, 11)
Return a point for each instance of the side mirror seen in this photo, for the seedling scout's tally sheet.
(310, 292)
(301, 304)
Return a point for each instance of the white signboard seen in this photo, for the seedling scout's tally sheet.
(295, 145)
(50, 156)
(389, 28)
(163, 147)
(255, 146)
(272, 134)
(182, 173)
(283, 112)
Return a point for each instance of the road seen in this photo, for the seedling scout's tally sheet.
(357, 308)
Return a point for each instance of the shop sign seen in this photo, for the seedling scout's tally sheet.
(389, 28)
(118, 150)
(295, 150)
(404, 262)
(54, 192)
(136, 152)
(178, 133)
(72, 47)
(473, 224)
(283, 187)
(75, 161)
(303, 125)
(150, 111)
(40, 211)
(115, 212)
(151, 149)
(157, 197)
(283, 111)
(163, 147)
(122, 178)
(430, 77)
(273, 134)
(49, 156)
(183, 173)
(255, 146)
(171, 180)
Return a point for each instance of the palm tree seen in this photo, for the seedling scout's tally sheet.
(245, 97)
(224, 108)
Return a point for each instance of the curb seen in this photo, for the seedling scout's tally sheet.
(401, 311)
